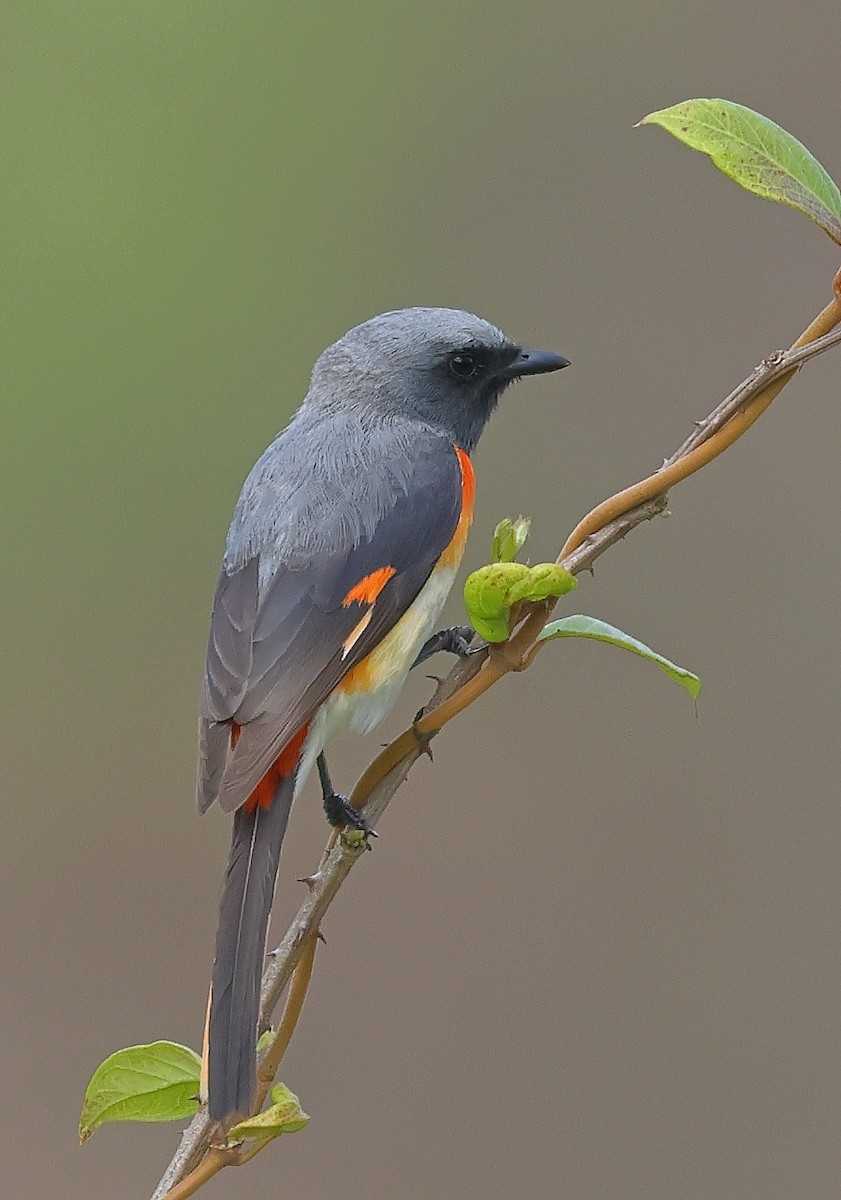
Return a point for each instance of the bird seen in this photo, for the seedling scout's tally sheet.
(344, 544)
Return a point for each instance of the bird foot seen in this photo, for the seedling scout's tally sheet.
(342, 815)
(455, 640)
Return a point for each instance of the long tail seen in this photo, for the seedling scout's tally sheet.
(240, 948)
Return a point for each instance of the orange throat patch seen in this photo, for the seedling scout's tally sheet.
(452, 555)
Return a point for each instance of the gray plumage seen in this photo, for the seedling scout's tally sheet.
(276, 647)
(382, 403)
(332, 473)
(365, 478)
(246, 902)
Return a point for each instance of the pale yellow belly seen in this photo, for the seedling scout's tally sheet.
(369, 690)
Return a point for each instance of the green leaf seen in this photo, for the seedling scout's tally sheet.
(158, 1082)
(509, 539)
(600, 631)
(284, 1116)
(264, 1041)
(758, 154)
(542, 581)
(354, 837)
(486, 596)
(490, 592)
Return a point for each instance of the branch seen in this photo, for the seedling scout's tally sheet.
(605, 525)
(725, 425)
(218, 1157)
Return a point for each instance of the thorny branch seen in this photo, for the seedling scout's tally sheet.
(196, 1160)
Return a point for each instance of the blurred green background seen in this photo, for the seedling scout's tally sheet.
(596, 952)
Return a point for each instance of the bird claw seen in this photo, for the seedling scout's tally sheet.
(342, 815)
(455, 640)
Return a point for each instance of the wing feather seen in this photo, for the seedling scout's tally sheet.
(277, 645)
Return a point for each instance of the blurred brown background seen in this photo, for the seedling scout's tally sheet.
(595, 952)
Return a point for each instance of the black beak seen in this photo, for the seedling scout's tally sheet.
(534, 362)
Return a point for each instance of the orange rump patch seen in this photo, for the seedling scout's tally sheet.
(367, 590)
(284, 765)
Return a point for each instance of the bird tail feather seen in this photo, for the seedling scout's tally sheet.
(244, 909)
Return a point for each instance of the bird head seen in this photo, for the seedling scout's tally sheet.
(441, 366)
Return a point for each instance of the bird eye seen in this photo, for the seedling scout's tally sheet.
(463, 366)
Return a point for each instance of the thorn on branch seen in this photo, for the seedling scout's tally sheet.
(422, 739)
(312, 882)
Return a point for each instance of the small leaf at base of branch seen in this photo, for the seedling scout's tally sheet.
(600, 631)
(157, 1082)
(265, 1040)
(284, 1116)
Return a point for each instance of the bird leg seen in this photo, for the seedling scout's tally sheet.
(455, 640)
(339, 811)
(337, 808)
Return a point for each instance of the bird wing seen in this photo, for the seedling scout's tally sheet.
(278, 648)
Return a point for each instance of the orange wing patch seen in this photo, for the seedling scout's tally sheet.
(367, 590)
(366, 675)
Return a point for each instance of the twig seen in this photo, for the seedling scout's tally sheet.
(608, 523)
(751, 400)
(218, 1157)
